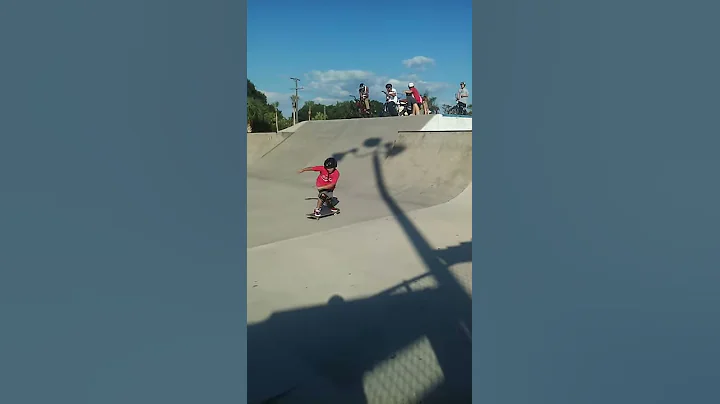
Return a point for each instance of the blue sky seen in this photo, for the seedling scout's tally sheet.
(333, 46)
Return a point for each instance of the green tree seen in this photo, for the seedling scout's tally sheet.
(376, 107)
(259, 113)
(252, 92)
(276, 105)
(295, 102)
(262, 116)
(342, 110)
(432, 102)
(304, 111)
(446, 109)
(309, 111)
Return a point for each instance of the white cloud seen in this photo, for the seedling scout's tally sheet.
(336, 84)
(282, 98)
(418, 62)
(323, 100)
(331, 86)
(275, 97)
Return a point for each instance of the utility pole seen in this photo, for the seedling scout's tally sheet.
(295, 101)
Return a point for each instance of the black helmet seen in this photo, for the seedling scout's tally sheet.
(362, 85)
(330, 163)
(388, 85)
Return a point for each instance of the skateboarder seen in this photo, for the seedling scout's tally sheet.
(326, 181)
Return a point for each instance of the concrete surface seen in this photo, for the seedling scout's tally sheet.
(373, 305)
(449, 123)
(259, 144)
(423, 169)
(443, 226)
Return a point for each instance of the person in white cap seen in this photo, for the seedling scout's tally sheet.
(462, 97)
(414, 98)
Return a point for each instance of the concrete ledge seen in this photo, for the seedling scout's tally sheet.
(448, 123)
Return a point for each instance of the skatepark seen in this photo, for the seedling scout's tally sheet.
(372, 305)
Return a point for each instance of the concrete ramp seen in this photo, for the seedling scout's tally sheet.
(354, 314)
(259, 144)
(431, 167)
(373, 305)
(315, 141)
(377, 254)
(421, 168)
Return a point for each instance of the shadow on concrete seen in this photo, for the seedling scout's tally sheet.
(322, 354)
(375, 145)
(334, 200)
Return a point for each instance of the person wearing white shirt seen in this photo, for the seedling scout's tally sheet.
(391, 99)
(462, 96)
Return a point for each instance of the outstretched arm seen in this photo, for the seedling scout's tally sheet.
(302, 170)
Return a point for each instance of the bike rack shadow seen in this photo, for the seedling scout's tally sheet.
(389, 149)
(328, 349)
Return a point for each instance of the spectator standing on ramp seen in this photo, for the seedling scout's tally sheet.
(365, 96)
(326, 181)
(462, 97)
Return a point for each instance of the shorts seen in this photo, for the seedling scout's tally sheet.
(327, 193)
(411, 100)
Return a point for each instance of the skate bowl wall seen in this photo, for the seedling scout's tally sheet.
(426, 159)
(259, 144)
(425, 163)
(449, 123)
(432, 167)
(350, 141)
(418, 168)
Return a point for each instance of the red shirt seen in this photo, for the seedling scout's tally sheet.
(416, 94)
(324, 178)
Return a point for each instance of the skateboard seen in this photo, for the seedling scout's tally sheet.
(324, 213)
(324, 209)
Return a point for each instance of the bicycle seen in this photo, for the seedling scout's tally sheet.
(401, 108)
(458, 109)
(360, 105)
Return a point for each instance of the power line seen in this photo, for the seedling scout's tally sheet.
(295, 100)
